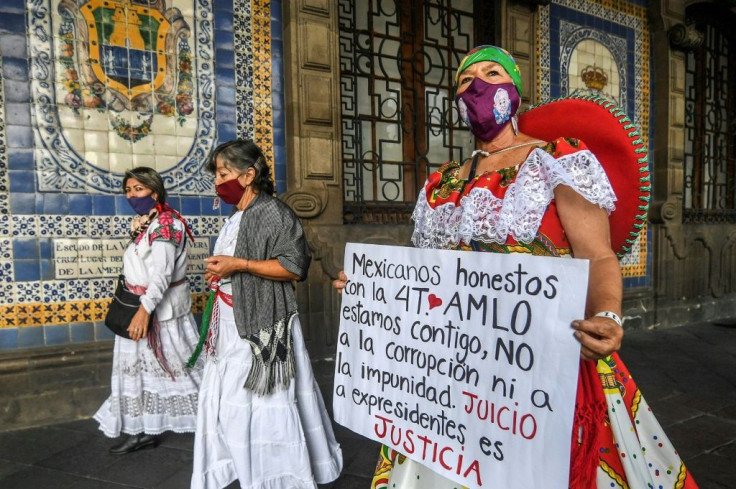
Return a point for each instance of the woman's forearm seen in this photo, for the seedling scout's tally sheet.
(605, 288)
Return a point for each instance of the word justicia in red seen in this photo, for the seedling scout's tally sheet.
(410, 443)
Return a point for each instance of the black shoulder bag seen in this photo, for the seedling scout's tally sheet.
(123, 307)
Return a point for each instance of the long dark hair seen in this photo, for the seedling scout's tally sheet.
(241, 154)
(148, 177)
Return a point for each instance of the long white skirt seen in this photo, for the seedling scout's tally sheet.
(280, 441)
(144, 398)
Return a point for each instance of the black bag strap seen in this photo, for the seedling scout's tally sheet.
(473, 166)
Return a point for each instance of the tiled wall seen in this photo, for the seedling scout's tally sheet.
(62, 220)
(64, 142)
(601, 47)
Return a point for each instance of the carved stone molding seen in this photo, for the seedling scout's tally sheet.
(666, 213)
(324, 251)
(313, 140)
(518, 37)
(684, 37)
(682, 239)
(327, 242)
(307, 204)
(317, 7)
(681, 242)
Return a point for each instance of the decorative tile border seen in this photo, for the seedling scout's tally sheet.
(571, 34)
(50, 226)
(243, 51)
(79, 304)
(634, 263)
(28, 292)
(253, 78)
(5, 223)
(4, 182)
(6, 250)
(69, 312)
(597, 19)
(262, 102)
(6, 245)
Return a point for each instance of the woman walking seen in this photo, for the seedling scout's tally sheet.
(152, 389)
(261, 415)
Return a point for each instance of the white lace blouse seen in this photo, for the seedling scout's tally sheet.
(480, 215)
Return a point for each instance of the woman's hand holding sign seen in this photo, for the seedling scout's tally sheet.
(598, 336)
(340, 282)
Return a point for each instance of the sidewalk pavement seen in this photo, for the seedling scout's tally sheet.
(687, 374)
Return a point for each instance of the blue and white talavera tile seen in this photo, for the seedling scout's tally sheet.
(86, 80)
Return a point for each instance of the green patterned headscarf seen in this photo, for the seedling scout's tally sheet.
(495, 54)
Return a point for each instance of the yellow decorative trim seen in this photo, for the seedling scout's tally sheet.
(681, 476)
(613, 475)
(635, 403)
(608, 381)
(262, 103)
(519, 249)
(624, 7)
(48, 313)
(639, 268)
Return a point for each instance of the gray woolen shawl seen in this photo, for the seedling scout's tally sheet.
(263, 308)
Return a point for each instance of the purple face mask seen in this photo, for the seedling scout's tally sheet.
(142, 205)
(487, 108)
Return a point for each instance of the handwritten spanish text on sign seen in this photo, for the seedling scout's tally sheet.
(462, 361)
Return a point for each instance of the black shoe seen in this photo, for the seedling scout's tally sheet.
(135, 442)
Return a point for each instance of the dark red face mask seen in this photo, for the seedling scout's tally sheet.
(230, 192)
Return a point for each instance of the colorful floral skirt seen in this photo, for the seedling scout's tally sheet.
(633, 450)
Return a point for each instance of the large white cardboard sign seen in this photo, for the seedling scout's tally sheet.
(462, 361)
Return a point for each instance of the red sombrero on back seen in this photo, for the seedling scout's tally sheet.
(617, 144)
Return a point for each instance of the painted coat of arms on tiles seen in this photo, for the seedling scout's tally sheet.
(129, 83)
(133, 57)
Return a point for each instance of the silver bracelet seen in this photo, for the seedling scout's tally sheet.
(610, 315)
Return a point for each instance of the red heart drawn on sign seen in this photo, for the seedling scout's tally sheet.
(434, 301)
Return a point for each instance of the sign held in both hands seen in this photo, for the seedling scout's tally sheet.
(462, 361)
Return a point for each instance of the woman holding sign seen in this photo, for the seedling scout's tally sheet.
(261, 417)
(549, 195)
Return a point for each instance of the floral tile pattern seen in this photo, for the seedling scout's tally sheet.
(118, 94)
(63, 167)
(621, 28)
